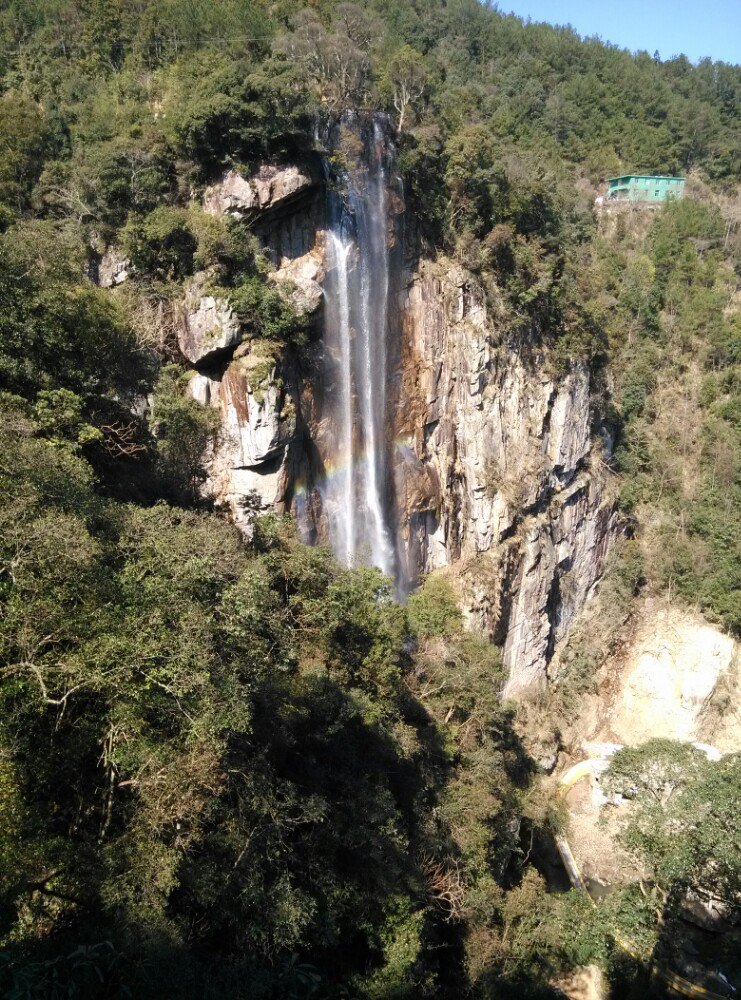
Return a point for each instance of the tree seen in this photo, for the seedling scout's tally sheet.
(23, 140)
(654, 771)
(57, 330)
(183, 430)
(334, 60)
(162, 243)
(405, 79)
(683, 816)
(434, 609)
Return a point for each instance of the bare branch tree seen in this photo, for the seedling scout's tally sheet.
(445, 885)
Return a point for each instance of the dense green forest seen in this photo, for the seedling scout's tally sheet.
(244, 770)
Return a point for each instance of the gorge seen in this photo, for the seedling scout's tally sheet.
(417, 432)
(364, 475)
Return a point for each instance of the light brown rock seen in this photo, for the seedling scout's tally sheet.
(586, 983)
(268, 187)
(668, 678)
(300, 280)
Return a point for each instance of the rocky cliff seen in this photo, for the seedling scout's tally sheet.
(259, 454)
(499, 471)
(498, 460)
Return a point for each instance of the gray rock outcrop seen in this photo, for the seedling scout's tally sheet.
(209, 326)
(499, 471)
(256, 459)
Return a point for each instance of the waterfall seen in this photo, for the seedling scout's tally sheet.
(355, 492)
(344, 534)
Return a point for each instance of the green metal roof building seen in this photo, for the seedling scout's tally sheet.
(644, 187)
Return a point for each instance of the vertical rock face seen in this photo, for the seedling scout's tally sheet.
(254, 385)
(248, 469)
(498, 468)
(562, 557)
(498, 471)
(112, 269)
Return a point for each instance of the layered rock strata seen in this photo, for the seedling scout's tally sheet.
(498, 471)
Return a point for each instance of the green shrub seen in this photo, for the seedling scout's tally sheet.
(161, 244)
(434, 609)
(24, 140)
(264, 311)
(183, 430)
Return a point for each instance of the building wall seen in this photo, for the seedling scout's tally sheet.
(649, 189)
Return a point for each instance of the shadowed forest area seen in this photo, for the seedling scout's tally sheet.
(234, 769)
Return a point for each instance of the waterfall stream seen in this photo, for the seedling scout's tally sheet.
(356, 490)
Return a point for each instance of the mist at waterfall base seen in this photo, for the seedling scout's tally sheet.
(356, 493)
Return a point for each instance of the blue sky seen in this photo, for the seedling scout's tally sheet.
(695, 27)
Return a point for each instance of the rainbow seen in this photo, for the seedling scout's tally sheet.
(333, 470)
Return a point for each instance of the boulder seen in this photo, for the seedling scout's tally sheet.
(209, 326)
(113, 268)
(269, 187)
(256, 423)
(300, 281)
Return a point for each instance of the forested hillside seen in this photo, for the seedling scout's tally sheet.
(240, 769)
